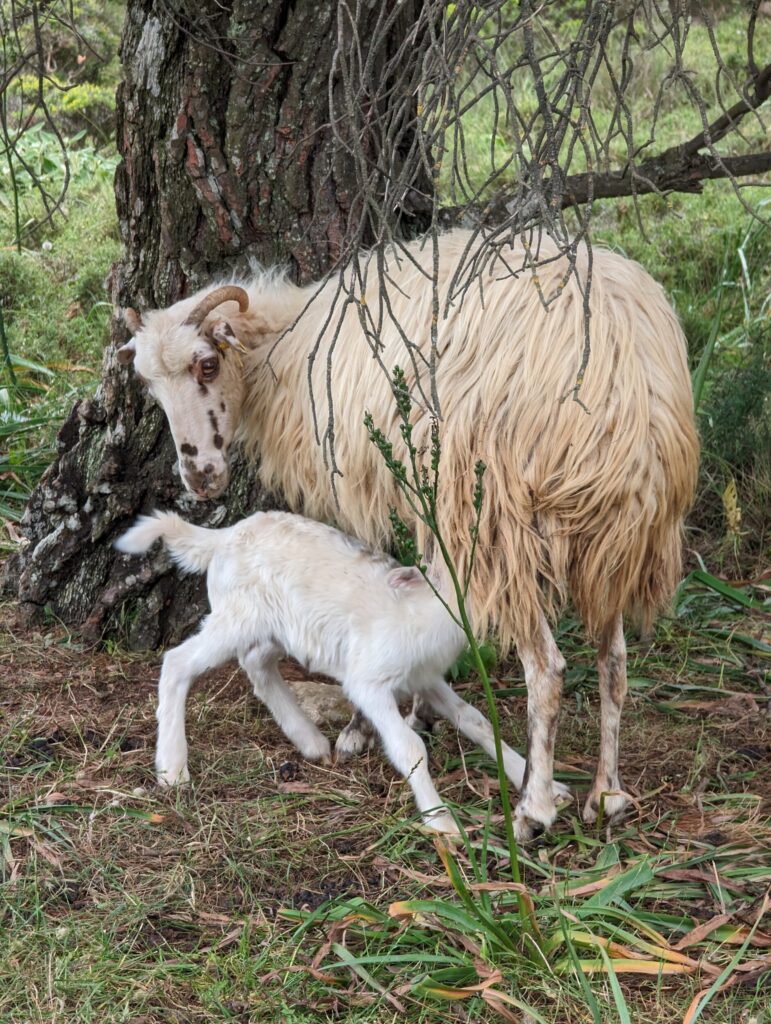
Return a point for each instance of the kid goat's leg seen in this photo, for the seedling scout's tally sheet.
(180, 668)
(473, 724)
(359, 735)
(404, 748)
(611, 668)
(544, 674)
(261, 665)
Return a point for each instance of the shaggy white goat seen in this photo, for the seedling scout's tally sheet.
(581, 500)
(280, 584)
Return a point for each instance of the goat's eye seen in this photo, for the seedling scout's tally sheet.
(209, 368)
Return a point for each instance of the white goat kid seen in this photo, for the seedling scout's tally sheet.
(281, 584)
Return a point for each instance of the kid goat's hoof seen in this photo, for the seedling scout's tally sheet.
(173, 777)
(561, 793)
(351, 742)
(317, 749)
(441, 822)
(419, 724)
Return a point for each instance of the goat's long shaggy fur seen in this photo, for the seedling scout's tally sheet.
(581, 501)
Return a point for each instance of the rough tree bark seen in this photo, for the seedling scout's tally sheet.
(227, 161)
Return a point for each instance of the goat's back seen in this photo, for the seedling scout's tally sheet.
(328, 600)
(582, 498)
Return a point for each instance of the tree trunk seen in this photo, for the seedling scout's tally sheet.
(227, 161)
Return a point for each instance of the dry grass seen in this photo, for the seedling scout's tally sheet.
(263, 892)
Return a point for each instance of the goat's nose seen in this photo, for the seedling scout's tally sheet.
(206, 481)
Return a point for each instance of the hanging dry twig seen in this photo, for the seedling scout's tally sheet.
(556, 105)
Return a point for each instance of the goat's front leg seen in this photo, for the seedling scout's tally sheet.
(404, 748)
(544, 674)
(422, 717)
(611, 669)
(180, 667)
(261, 665)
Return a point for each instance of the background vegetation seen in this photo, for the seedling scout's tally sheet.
(121, 903)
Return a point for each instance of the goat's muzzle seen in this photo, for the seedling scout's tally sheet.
(205, 482)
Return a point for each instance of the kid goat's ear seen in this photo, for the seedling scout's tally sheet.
(405, 577)
(132, 319)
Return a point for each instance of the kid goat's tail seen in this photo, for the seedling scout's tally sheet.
(191, 547)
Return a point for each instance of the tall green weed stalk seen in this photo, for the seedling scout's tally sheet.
(419, 485)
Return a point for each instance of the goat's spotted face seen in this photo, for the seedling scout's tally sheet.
(194, 372)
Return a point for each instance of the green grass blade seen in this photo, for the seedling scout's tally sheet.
(615, 988)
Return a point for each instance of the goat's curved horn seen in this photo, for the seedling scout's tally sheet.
(225, 293)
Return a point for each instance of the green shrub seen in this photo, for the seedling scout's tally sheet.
(736, 420)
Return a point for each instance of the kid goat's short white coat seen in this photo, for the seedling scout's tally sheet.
(280, 585)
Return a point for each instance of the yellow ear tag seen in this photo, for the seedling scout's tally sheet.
(223, 347)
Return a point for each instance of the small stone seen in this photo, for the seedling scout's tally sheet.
(321, 702)
(139, 791)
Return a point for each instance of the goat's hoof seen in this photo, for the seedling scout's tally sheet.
(351, 742)
(613, 804)
(561, 793)
(172, 776)
(530, 819)
(317, 749)
(526, 830)
(441, 822)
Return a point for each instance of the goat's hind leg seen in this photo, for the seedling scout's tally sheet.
(404, 748)
(261, 665)
(180, 667)
(544, 674)
(606, 789)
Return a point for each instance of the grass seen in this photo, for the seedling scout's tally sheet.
(55, 316)
(279, 890)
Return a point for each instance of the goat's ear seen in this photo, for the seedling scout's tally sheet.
(132, 319)
(127, 352)
(405, 577)
(224, 338)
